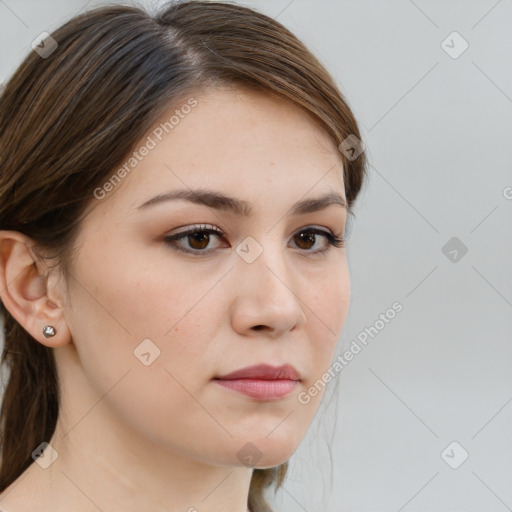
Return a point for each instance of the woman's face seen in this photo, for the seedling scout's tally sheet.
(156, 321)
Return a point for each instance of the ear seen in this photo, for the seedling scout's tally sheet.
(28, 290)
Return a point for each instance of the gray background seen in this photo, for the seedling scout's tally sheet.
(438, 135)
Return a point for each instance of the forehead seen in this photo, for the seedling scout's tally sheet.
(245, 143)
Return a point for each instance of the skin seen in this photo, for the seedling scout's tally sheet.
(165, 436)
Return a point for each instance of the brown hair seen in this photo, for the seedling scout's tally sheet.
(68, 119)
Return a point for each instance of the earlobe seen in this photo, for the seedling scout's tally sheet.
(24, 291)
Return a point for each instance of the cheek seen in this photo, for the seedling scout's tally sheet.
(327, 309)
(327, 300)
(129, 301)
(141, 299)
(109, 322)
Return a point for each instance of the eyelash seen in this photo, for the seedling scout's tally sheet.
(332, 240)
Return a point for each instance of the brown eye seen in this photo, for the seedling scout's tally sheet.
(307, 240)
(199, 240)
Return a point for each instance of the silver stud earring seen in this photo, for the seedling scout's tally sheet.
(48, 331)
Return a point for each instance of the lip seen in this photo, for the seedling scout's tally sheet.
(263, 382)
(264, 372)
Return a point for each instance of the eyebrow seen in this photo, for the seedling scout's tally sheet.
(219, 201)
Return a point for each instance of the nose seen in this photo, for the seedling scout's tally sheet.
(266, 298)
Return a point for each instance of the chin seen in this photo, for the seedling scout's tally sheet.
(266, 452)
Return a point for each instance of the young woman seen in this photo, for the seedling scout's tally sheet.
(174, 191)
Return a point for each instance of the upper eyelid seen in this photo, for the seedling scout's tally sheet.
(197, 227)
(206, 227)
